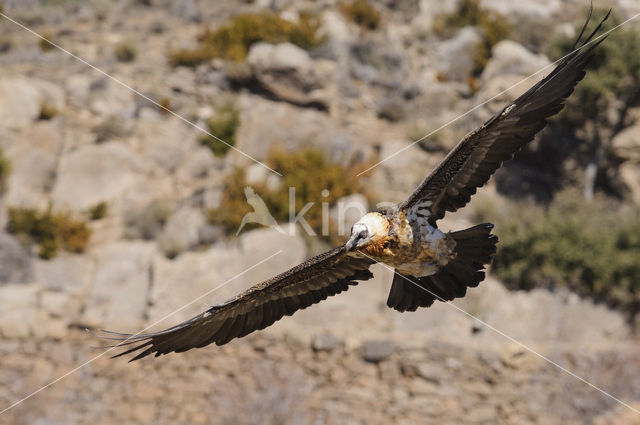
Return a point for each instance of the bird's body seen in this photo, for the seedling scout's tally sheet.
(429, 264)
(406, 242)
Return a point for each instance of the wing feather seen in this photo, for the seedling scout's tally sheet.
(472, 162)
(258, 307)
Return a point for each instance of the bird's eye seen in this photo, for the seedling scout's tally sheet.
(364, 234)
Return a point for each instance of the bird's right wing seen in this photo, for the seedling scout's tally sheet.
(258, 307)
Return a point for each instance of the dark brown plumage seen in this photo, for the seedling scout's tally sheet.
(470, 164)
(452, 262)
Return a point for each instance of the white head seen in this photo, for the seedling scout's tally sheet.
(370, 225)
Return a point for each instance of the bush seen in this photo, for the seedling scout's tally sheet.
(233, 40)
(361, 13)
(308, 171)
(5, 169)
(44, 43)
(224, 125)
(587, 247)
(125, 51)
(98, 211)
(148, 222)
(47, 111)
(51, 231)
(494, 27)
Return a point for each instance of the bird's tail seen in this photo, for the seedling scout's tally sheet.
(474, 248)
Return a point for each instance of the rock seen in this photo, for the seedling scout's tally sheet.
(15, 261)
(509, 57)
(287, 73)
(182, 231)
(166, 142)
(94, 174)
(20, 102)
(530, 8)
(110, 99)
(78, 87)
(68, 273)
(326, 342)
(453, 58)
(55, 303)
(18, 310)
(377, 350)
(118, 295)
(266, 123)
(32, 171)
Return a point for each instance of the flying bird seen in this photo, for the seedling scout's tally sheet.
(429, 264)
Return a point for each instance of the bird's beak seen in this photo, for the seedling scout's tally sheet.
(352, 242)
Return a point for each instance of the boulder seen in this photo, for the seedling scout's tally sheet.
(110, 99)
(377, 350)
(32, 171)
(453, 58)
(326, 342)
(118, 295)
(18, 310)
(21, 100)
(182, 231)
(96, 173)
(509, 57)
(16, 265)
(286, 72)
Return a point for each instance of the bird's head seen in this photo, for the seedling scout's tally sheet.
(370, 227)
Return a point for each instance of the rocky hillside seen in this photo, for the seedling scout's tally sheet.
(111, 197)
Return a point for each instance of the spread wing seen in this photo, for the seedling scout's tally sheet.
(470, 164)
(258, 307)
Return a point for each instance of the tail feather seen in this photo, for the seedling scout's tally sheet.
(474, 248)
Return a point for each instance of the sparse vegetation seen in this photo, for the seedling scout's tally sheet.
(148, 222)
(361, 12)
(224, 125)
(308, 171)
(44, 43)
(98, 211)
(233, 40)
(111, 128)
(51, 231)
(494, 27)
(47, 111)
(125, 51)
(5, 169)
(587, 247)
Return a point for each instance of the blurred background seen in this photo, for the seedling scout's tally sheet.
(114, 212)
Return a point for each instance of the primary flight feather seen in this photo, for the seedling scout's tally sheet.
(429, 264)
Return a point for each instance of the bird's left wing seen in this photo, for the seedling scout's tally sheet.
(258, 307)
(470, 164)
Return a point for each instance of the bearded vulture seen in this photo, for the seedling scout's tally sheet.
(429, 264)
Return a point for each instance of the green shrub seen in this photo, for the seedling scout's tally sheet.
(98, 211)
(5, 169)
(125, 51)
(232, 40)
(224, 125)
(361, 13)
(587, 247)
(51, 231)
(47, 111)
(148, 222)
(308, 171)
(44, 43)
(494, 27)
